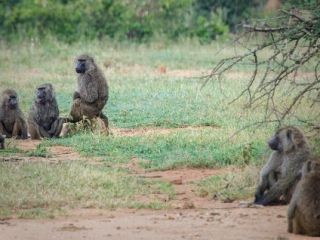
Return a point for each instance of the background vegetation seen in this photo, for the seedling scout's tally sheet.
(123, 19)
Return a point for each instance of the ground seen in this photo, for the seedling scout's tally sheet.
(191, 216)
(175, 165)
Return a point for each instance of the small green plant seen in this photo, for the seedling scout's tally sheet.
(230, 186)
(40, 151)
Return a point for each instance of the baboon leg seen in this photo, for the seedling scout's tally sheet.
(264, 185)
(80, 109)
(297, 227)
(20, 130)
(3, 131)
(90, 110)
(56, 127)
(105, 119)
(37, 132)
(76, 112)
(273, 178)
(34, 131)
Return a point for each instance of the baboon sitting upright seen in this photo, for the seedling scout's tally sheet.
(12, 122)
(280, 175)
(92, 93)
(304, 208)
(43, 120)
(2, 146)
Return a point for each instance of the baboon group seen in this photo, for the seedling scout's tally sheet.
(43, 119)
(292, 176)
(289, 176)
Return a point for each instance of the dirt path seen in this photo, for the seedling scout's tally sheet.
(230, 222)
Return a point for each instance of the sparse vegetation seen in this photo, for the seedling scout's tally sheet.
(157, 89)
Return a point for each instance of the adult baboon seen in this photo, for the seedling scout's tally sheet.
(92, 93)
(283, 170)
(12, 122)
(304, 207)
(43, 117)
(2, 142)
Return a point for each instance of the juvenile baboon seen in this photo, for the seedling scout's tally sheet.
(43, 119)
(12, 121)
(304, 207)
(279, 176)
(92, 93)
(2, 142)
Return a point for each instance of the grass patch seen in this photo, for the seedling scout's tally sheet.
(40, 151)
(188, 148)
(230, 186)
(42, 189)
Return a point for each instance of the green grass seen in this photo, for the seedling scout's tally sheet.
(230, 186)
(188, 148)
(140, 97)
(40, 189)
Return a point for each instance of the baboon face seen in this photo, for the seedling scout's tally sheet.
(310, 166)
(84, 63)
(10, 99)
(44, 94)
(286, 139)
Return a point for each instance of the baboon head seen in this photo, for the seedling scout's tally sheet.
(84, 63)
(9, 99)
(310, 166)
(287, 139)
(44, 93)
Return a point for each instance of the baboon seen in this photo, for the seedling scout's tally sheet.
(280, 175)
(304, 207)
(269, 174)
(2, 139)
(12, 121)
(92, 93)
(43, 119)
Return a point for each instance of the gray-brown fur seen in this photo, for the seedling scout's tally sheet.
(12, 121)
(269, 174)
(92, 93)
(283, 170)
(304, 208)
(2, 140)
(43, 119)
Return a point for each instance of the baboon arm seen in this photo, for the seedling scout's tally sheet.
(3, 130)
(76, 95)
(277, 190)
(291, 213)
(262, 187)
(20, 129)
(56, 127)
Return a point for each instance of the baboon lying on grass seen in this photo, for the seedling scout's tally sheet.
(12, 122)
(279, 176)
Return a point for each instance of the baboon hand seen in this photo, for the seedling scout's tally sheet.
(76, 95)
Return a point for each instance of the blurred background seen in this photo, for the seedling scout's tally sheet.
(130, 20)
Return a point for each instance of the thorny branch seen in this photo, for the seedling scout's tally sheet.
(293, 65)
